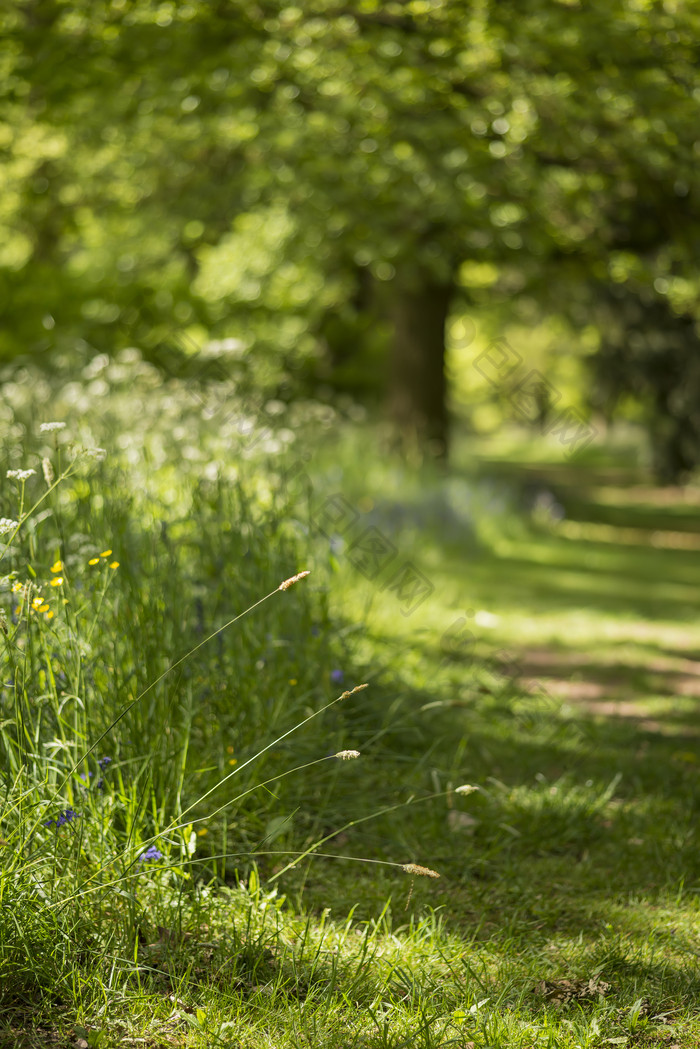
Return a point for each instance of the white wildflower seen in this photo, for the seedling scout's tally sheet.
(7, 525)
(347, 755)
(51, 427)
(466, 788)
(96, 453)
(20, 475)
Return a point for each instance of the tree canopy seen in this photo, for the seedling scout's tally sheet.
(277, 173)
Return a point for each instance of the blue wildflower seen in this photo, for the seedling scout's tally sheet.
(104, 762)
(337, 676)
(67, 816)
(151, 855)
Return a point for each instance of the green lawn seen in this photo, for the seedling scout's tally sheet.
(553, 664)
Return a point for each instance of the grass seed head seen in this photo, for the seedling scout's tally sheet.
(415, 868)
(347, 755)
(357, 688)
(292, 580)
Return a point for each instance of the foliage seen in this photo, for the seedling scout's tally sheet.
(566, 910)
(278, 174)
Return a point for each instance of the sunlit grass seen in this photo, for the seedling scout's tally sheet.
(566, 909)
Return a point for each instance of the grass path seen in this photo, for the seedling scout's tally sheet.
(578, 860)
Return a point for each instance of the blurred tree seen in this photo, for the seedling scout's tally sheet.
(196, 164)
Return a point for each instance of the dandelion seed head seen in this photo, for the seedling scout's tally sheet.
(347, 755)
(292, 580)
(415, 868)
(51, 427)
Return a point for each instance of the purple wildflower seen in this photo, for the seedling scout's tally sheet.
(151, 855)
(66, 816)
(337, 676)
(104, 762)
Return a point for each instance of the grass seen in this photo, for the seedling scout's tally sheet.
(551, 664)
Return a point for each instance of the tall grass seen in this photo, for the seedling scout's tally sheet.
(113, 748)
(149, 708)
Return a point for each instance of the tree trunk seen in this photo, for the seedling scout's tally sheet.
(417, 386)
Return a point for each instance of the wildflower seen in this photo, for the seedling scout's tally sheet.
(292, 580)
(57, 566)
(67, 816)
(114, 564)
(16, 587)
(104, 762)
(43, 608)
(415, 868)
(51, 427)
(337, 676)
(37, 601)
(151, 855)
(347, 755)
(94, 561)
(47, 470)
(7, 525)
(49, 615)
(292, 681)
(466, 788)
(20, 475)
(96, 453)
(58, 581)
(201, 833)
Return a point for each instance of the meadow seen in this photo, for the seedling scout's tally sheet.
(210, 835)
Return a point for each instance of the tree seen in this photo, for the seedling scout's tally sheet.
(205, 163)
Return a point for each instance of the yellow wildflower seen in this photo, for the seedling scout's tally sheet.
(114, 564)
(105, 553)
(57, 567)
(58, 581)
(94, 561)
